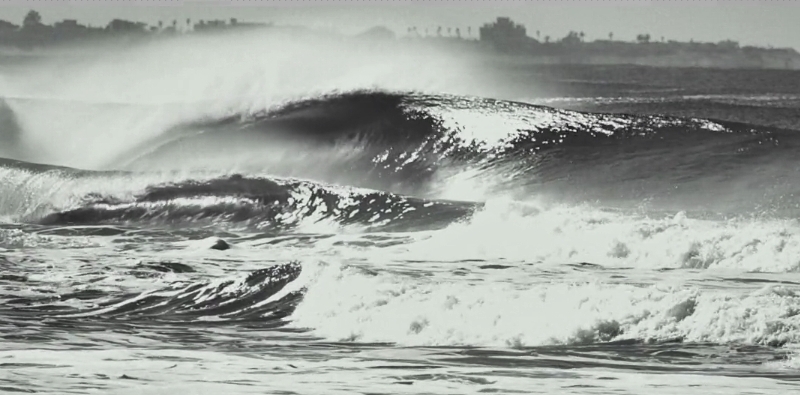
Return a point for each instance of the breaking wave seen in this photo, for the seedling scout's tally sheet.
(389, 307)
(264, 204)
(407, 148)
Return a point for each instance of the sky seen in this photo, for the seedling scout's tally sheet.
(751, 22)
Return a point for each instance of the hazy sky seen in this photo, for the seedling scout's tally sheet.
(762, 22)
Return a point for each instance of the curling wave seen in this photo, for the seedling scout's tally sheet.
(431, 146)
(413, 150)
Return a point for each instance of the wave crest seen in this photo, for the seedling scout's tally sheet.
(266, 205)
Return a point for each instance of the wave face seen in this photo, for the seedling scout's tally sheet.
(427, 145)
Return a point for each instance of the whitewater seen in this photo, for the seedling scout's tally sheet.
(267, 213)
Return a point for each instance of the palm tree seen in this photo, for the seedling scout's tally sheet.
(538, 33)
(439, 31)
(611, 36)
(32, 18)
(582, 35)
(458, 32)
(547, 39)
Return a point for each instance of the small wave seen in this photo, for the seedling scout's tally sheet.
(266, 205)
(262, 295)
(61, 196)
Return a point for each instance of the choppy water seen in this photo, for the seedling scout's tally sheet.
(391, 235)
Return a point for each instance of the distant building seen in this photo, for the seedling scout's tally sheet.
(123, 26)
(221, 25)
(378, 33)
(216, 24)
(69, 29)
(504, 33)
(67, 24)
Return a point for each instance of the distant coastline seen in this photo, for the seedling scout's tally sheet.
(33, 34)
(502, 39)
(505, 37)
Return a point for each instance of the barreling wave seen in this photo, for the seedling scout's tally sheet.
(413, 150)
(407, 137)
(422, 145)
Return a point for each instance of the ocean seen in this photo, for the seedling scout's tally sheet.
(253, 215)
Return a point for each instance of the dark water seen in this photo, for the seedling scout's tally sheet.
(762, 97)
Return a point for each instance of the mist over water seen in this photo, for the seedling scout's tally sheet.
(82, 111)
(386, 216)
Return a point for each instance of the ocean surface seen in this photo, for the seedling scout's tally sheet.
(397, 223)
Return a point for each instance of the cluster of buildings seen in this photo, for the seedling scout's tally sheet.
(506, 36)
(504, 33)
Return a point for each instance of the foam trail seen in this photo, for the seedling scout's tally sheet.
(424, 311)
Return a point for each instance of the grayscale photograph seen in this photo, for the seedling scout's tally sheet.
(400, 197)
